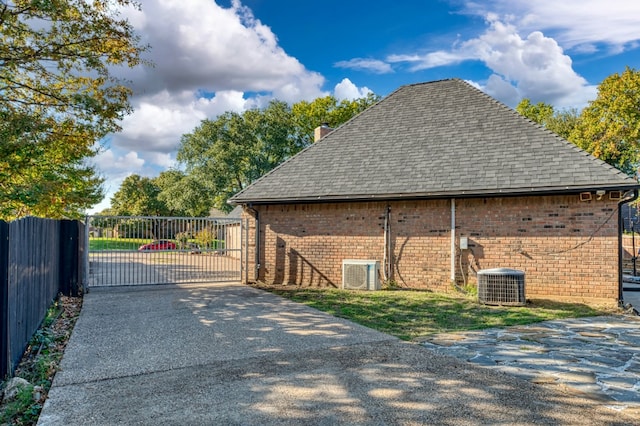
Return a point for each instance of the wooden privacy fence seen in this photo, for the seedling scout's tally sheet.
(39, 258)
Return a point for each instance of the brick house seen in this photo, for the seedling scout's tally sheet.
(436, 182)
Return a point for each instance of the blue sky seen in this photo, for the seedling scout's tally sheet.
(216, 56)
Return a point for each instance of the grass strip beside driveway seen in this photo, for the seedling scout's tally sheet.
(413, 314)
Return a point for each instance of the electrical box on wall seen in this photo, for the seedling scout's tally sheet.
(464, 243)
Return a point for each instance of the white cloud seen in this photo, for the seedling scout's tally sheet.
(431, 60)
(347, 90)
(372, 65)
(119, 165)
(199, 45)
(577, 24)
(207, 59)
(535, 67)
(158, 121)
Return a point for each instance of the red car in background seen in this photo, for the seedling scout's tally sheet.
(158, 245)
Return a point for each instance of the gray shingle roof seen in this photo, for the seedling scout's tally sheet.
(437, 139)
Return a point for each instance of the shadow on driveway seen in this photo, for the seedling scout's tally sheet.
(235, 355)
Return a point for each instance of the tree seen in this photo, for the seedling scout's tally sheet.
(183, 194)
(538, 113)
(138, 196)
(223, 156)
(559, 122)
(609, 127)
(58, 98)
(309, 115)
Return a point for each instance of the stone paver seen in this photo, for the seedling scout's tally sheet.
(599, 356)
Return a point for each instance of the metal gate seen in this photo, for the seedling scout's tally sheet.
(143, 250)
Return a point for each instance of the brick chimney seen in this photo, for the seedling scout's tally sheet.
(321, 132)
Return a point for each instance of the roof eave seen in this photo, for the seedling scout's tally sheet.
(437, 194)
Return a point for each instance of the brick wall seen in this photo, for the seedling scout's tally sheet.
(567, 248)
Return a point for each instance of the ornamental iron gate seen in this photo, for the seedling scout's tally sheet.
(143, 250)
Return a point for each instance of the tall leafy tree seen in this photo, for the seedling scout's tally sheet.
(223, 156)
(309, 115)
(58, 98)
(183, 194)
(226, 154)
(138, 196)
(538, 113)
(560, 122)
(609, 127)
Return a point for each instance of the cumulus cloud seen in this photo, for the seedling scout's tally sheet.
(207, 59)
(158, 121)
(535, 66)
(116, 166)
(201, 45)
(347, 90)
(372, 65)
(580, 24)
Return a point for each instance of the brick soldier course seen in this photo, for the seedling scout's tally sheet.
(428, 156)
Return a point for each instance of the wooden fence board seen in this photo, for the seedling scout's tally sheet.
(39, 258)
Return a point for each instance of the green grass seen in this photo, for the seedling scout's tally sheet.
(101, 244)
(411, 315)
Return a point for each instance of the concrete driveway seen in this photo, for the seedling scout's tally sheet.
(234, 355)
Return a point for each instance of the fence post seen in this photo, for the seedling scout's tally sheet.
(69, 258)
(4, 299)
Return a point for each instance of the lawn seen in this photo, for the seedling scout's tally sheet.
(103, 244)
(100, 244)
(411, 315)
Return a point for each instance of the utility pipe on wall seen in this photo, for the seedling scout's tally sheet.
(633, 197)
(453, 239)
(257, 241)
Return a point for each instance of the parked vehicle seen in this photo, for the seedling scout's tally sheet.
(158, 245)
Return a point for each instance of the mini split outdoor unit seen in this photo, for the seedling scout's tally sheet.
(360, 274)
(501, 286)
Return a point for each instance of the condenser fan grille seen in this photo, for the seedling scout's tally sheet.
(360, 274)
(501, 286)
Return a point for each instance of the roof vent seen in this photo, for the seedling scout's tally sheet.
(501, 286)
(360, 274)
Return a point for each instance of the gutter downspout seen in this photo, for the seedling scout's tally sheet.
(257, 259)
(453, 240)
(620, 230)
(388, 256)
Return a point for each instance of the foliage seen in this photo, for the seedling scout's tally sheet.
(561, 123)
(41, 361)
(410, 314)
(182, 194)
(226, 154)
(58, 98)
(183, 239)
(223, 156)
(206, 238)
(609, 127)
(538, 113)
(309, 115)
(138, 196)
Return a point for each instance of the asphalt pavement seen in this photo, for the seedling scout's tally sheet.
(234, 355)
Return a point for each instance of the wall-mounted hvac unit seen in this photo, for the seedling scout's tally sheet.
(501, 286)
(360, 274)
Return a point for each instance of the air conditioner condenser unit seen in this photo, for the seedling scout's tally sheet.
(360, 274)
